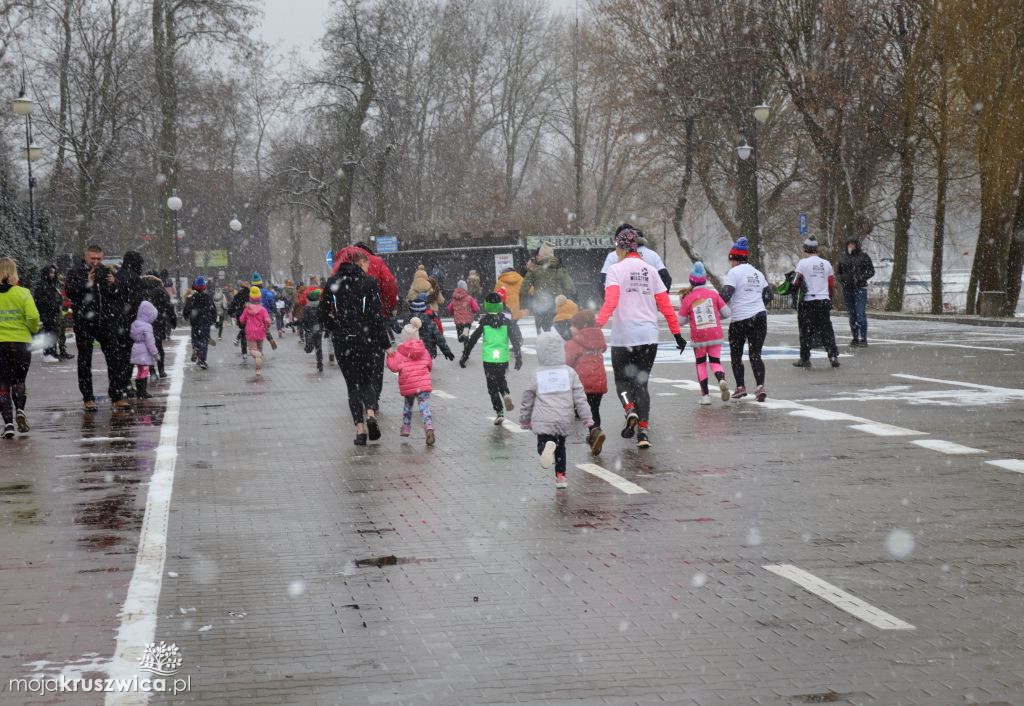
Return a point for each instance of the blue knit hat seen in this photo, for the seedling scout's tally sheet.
(741, 248)
(257, 279)
(199, 283)
(418, 305)
(698, 275)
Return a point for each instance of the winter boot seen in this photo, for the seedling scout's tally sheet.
(140, 389)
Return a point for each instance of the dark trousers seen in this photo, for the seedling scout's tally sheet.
(497, 387)
(201, 341)
(543, 320)
(15, 359)
(220, 325)
(313, 341)
(377, 370)
(856, 301)
(563, 328)
(543, 439)
(161, 356)
(356, 368)
(461, 330)
(241, 338)
(594, 400)
(631, 367)
(52, 328)
(118, 356)
(816, 328)
(748, 332)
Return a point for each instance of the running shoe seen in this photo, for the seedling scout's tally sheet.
(801, 363)
(723, 387)
(642, 442)
(595, 439)
(761, 394)
(834, 360)
(406, 430)
(705, 399)
(509, 405)
(430, 437)
(547, 456)
(739, 392)
(499, 418)
(8, 431)
(360, 440)
(561, 483)
(630, 429)
(273, 343)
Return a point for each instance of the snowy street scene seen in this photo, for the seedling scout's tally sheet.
(541, 352)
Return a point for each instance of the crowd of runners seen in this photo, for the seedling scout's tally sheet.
(356, 311)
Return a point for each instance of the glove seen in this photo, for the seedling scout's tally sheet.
(519, 362)
(449, 355)
(462, 362)
(680, 342)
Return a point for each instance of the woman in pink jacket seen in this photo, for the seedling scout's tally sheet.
(703, 308)
(256, 322)
(413, 364)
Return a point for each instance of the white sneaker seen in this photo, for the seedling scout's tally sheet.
(50, 359)
(705, 399)
(724, 387)
(547, 456)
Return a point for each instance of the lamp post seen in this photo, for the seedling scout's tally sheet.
(236, 226)
(23, 105)
(746, 151)
(174, 203)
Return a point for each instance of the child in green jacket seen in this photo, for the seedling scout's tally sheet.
(499, 332)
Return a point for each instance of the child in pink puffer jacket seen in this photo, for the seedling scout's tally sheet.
(413, 364)
(703, 308)
(256, 322)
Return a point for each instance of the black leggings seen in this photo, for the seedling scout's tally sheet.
(543, 439)
(497, 386)
(594, 400)
(15, 359)
(752, 332)
(357, 369)
(632, 367)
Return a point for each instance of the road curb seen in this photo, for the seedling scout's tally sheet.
(950, 319)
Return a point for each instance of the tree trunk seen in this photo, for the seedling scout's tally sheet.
(295, 240)
(341, 222)
(901, 237)
(1015, 262)
(942, 179)
(164, 53)
(682, 195)
(992, 250)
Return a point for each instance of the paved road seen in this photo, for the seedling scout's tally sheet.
(854, 540)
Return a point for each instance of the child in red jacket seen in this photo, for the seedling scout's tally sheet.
(413, 364)
(703, 308)
(584, 353)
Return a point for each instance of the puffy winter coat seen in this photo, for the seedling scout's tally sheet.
(512, 282)
(47, 295)
(463, 307)
(256, 321)
(554, 394)
(585, 354)
(566, 310)
(144, 351)
(855, 269)
(430, 335)
(547, 280)
(703, 308)
(200, 310)
(420, 285)
(473, 282)
(166, 318)
(19, 318)
(413, 365)
(350, 311)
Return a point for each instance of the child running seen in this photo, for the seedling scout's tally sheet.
(584, 352)
(703, 308)
(201, 313)
(144, 350)
(311, 332)
(413, 365)
(463, 309)
(256, 321)
(499, 331)
(431, 336)
(550, 399)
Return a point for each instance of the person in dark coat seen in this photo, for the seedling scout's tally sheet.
(350, 311)
(49, 301)
(235, 309)
(153, 291)
(312, 333)
(91, 287)
(854, 270)
(201, 314)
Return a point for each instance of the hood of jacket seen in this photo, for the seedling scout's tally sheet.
(550, 349)
(152, 281)
(550, 262)
(5, 287)
(414, 350)
(47, 271)
(855, 243)
(254, 307)
(132, 261)
(422, 275)
(591, 339)
(460, 294)
(147, 312)
(511, 278)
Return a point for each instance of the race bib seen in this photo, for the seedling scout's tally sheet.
(279, 305)
(549, 381)
(704, 314)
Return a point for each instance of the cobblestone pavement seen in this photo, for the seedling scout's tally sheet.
(302, 569)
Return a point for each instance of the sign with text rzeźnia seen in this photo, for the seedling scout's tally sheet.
(570, 242)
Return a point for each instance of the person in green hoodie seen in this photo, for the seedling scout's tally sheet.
(19, 319)
(499, 332)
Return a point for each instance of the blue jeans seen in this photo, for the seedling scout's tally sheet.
(857, 308)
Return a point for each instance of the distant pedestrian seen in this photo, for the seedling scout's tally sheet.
(463, 308)
(473, 285)
(635, 294)
(552, 395)
(413, 365)
(200, 312)
(144, 352)
(154, 292)
(312, 332)
(854, 270)
(19, 321)
(49, 300)
(546, 281)
(584, 352)
(746, 291)
(220, 304)
(235, 309)
(703, 309)
(431, 336)
(511, 282)
(420, 284)
(565, 309)
(256, 323)
(651, 257)
(269, 302)
(499, 333)
(815, 277)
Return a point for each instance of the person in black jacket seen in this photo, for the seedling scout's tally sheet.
(89, 286)
(200, 312)
(49, 301)
(154, 292)
(350, 311)
(854, 270)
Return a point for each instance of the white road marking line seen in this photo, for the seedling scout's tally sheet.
(1009, 464)
(838, 597)
(1010, 391)
(937, 343)
(97, 439)
(884, 429)
(138, 614)
(947, 447)
(89, 454)
(443, 395)
(512, 426)
(618, 481)
(825, 415)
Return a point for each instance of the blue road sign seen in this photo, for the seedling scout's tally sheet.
(387, 243)
(803, 223)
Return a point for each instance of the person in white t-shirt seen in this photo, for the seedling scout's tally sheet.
(651, 257)
(746, 291)
(815, 278)
(635, 294)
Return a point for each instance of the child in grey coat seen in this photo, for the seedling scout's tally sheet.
(551, 401)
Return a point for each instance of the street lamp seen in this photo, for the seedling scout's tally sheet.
(235, 225)
(174, 203)
(23, 105)
(745, 151)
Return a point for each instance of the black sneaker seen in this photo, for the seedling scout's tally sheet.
(372, 429)
(360, 440)
(801, 364)
(630, 429)
(855, 343)
(834, 360)
(203, 365)
(863, 343)
(642, 442)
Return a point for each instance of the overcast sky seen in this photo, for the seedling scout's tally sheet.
(299, 25)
